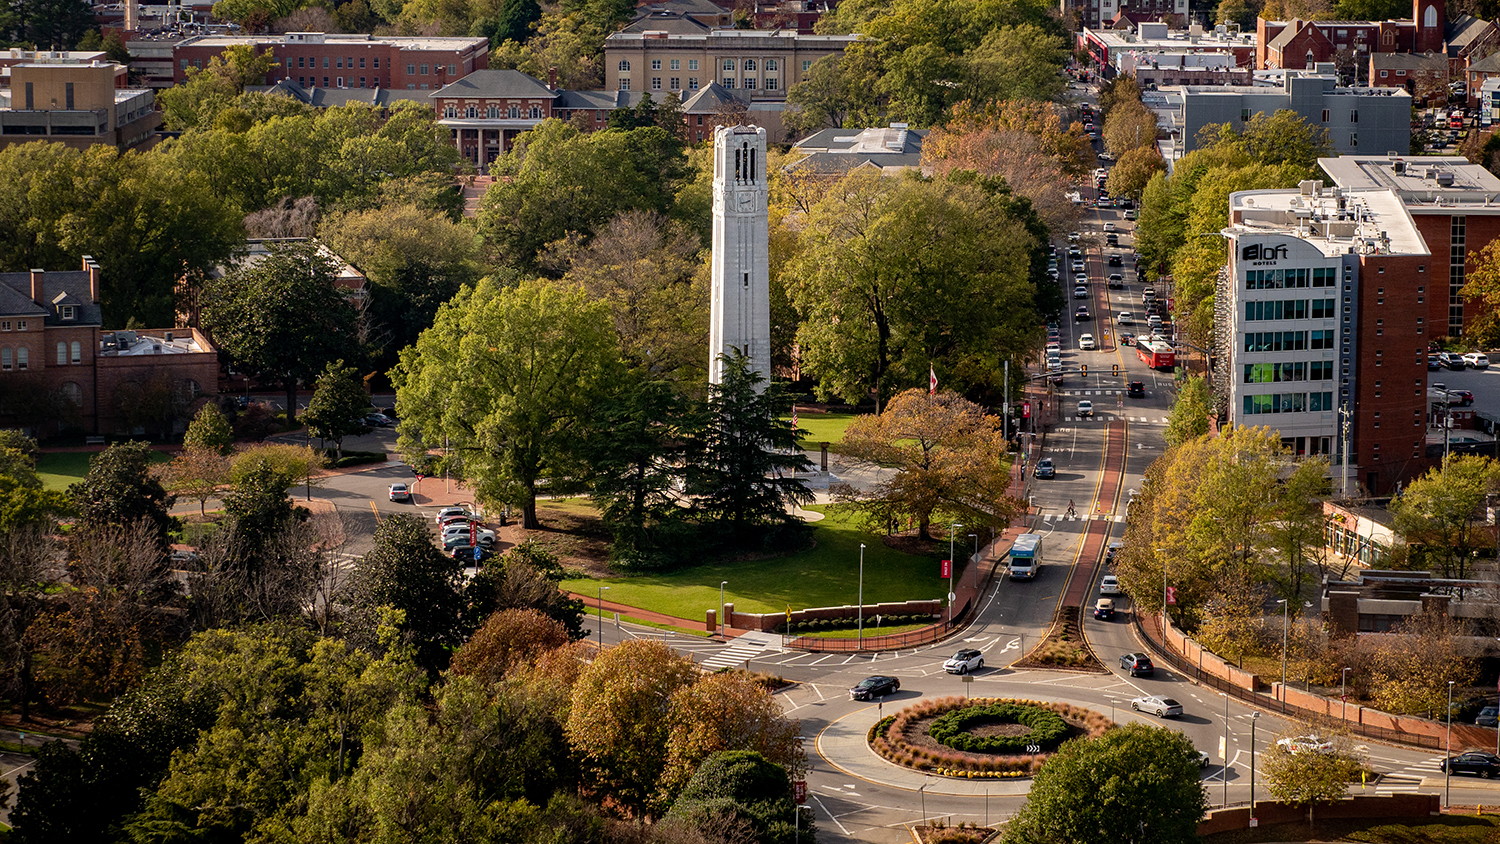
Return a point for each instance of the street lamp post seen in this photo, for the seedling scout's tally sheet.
(601, 616)
(1344, 694)
(861, 596)
(952, 529)
(1254, 716)
(797, 822)
(1448, 762)
(722, 584)
(975, 561)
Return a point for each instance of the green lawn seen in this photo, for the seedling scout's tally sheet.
(826, 575)
(59, 468)
(822, 427)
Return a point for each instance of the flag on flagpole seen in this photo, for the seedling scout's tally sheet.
(794, 416)
(931, 381)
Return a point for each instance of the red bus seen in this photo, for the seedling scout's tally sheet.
(1156, 354)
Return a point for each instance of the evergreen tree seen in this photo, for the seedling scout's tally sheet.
(120, 488)
(338, 406)
(209, 431)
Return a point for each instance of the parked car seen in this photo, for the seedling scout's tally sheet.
(1136, 390)
(1200, 757)
(448, 512)
(1085, 408)
(1488, 717)
(873, 687)
(457, 519)
(1305, 744)
(1104, 609)
(1149, 293)
(379, 420)
(1478, 360)
(1454, 361)
(1161, 707)
(1045, 469)
(964, 661)
(485, 538)
(1086, 342)
(1139, 665)
(1434, 362)
(484, 535)
(400, 492)
(1109, 585)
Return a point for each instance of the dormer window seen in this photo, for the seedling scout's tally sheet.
(67, 313)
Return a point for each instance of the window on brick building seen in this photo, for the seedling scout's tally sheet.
(338, 62)
(411, 70)
(361, 62)
(472, 111)
(377, 62)
(450, 111)
(62, 353)
(67, 312)
(513, 112)
(493, 112)
(424, 70)
(536, 112)
(23, 358)
(72, 393)
(77, 350)
(7, 358)
(624, 64)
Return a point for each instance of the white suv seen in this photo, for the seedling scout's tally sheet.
(1478, 360)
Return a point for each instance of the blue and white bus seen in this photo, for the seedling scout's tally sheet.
(1025, 556)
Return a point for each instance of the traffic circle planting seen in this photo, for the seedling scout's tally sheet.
(981, 738)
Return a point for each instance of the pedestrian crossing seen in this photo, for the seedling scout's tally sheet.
(1100, 416)
(1086, 517)
(1409, 779)
(745, 647)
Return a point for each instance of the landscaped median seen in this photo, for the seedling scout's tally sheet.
(981, 738)
(825, 575)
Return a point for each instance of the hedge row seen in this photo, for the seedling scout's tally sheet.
(1048, 729)
(888, 738)
(822, 624)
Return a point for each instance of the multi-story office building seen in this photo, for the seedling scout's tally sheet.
(660, 55)
(77, 104)
(1455, 205)
(1318, 325)
(323, 60)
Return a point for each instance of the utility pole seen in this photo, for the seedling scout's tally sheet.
(1345, 413)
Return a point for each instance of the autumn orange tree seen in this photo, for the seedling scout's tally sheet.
(949, 456)
(196, 473)
(510, 639)
(726, 711)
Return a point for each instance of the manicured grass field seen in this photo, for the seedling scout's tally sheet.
(60, 468)
(822, 428)
(826, 575)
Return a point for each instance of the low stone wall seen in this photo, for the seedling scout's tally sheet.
(1209, 662)
(1270, 812)
(766, 622)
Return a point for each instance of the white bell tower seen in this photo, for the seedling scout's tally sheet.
(741, 278)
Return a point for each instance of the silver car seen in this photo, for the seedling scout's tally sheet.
(1161, 707)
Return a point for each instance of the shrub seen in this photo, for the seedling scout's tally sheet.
(1048, 729)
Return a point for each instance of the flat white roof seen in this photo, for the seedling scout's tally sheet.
(1332, 220)
(415, 42)
(1177, 40)
(1427, 184)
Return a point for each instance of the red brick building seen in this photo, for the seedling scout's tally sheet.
(58, 370)
(324, 60)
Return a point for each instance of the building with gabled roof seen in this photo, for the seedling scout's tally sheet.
(835, 152)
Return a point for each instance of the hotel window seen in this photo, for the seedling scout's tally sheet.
(676, 64)
(624, 64)
(1244, 114)
(676, 83)
(62, 353)
(656, 83)
(692, 64)
(77, 349)
(729, 64)
(1325, 115)
(22, 357)
(1354, 142)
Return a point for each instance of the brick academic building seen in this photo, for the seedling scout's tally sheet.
(59, 369)
(326, 60)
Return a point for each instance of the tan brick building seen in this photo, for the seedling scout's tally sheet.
(77, 104)
(60, 371)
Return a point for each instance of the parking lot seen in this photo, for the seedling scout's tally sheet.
(1483, 383)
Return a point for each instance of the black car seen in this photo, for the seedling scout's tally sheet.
(1112, 239)
(1139, 665)
(1136, 390)
(873, 687)
(1114, 261)
(1045, 469)
(1481, 764)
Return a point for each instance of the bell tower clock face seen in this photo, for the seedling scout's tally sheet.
(745, 201)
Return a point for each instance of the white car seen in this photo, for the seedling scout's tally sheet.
(1073, 237)
(451, 511)
(1125, 318)
(1109, 585)
(1086, 342)
(1080, 292)
(1109, 227)
(400, 492)
(1161, 707)
(964, 661)
(1305, 744)
(1478, 360)
(1077, 267)
(483, 536)
(1085, 408)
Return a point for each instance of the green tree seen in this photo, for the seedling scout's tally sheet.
(557, 180)
(338, 406)
(209, 431)
(414, 259)
(743, 790)
(282, 317)
(405, 571)
(745, 453)
(526, 577)
(23, 501)
(885, 270)
(503, 382)
(257, 501)
(615, 724)
(120, 488)
(1129, 126)
(1308, 778)
(197, 102)
(1134, 171)
(831, 93)
(1016, 63)
(196, 473)
(517, 17)
(724, 712)
(1283, 138)
(949, 456)
(1442, 513)
(1190, 412)
(1136, 784)
(1483, 283)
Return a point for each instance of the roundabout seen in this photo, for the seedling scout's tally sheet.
(981, 738)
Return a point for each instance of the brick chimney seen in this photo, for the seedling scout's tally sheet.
(38, 292)
(552, 79)
(92, 266)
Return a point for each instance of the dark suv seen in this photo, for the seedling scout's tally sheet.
(1136, 390)
(1139, 665)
